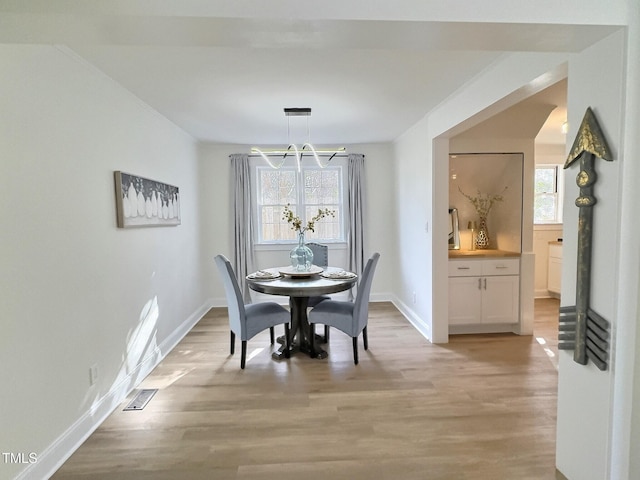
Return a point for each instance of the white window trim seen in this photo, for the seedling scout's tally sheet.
(259, 245)
(559, 192)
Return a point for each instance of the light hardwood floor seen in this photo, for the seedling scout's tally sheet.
(479, 407)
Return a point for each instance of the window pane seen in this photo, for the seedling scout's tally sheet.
(547, 199)
(545, 208)
(277, 187)
(327, 228)
(273, 226)
(545, 180)
(322, 190)
(321, 187)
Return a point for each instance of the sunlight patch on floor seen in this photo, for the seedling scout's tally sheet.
(550, 353)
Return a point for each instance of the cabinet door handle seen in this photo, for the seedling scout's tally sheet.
(479, 284)
(485, 283)
(501, 267)
(462, 268)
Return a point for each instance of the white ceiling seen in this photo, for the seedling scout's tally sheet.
(540, 116)
(226, 77)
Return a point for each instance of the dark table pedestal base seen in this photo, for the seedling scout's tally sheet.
(300, 331)
(297, 347)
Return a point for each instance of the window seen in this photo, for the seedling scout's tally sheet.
(305, 192)
(547, 204)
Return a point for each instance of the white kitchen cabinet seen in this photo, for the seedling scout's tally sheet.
(554, 272)
(484, 291)
(465, 299)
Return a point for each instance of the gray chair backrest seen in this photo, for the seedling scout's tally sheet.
(361, 309)
(235, 303)
(320, 254)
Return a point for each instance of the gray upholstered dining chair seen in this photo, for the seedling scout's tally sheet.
(321, 259)
(246, 321)
(349, 317)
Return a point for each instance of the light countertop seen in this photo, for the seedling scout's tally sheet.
(481, 253)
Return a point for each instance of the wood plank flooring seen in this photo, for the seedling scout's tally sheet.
(479, 407)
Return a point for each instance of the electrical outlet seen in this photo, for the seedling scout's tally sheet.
(93, 374)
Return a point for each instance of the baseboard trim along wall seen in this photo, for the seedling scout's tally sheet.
(52, 458)
(413, 318)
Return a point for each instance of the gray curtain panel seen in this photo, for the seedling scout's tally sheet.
(356, 199)
(243, 259)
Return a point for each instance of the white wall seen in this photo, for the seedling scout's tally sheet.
(625, 460)
(380, 217)
(584, 392)
(76, 290)
(414, 190)
(216, 222)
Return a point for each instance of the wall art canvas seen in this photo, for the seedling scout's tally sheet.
(141, 202)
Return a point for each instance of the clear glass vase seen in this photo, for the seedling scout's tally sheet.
(301, 256)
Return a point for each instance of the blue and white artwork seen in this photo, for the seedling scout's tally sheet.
(141, 202)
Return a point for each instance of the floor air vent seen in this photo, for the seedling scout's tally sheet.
(141, 399)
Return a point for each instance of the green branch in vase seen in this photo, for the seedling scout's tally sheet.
(296, 222)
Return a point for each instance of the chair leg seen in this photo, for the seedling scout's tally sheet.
(287, 342)
(355, 350)
(272, 335)
(233, 342)
(243, 356)
(326, 334)
(365, 338)
(312, 340)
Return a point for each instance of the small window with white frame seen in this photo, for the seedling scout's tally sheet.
(547, 203)
(305, 192)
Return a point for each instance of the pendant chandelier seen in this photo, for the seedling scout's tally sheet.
(297, 151)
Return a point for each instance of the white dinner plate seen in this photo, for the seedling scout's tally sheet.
(339, 275)
(263, 275)
(292, 272)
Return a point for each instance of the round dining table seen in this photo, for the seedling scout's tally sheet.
(299, 287)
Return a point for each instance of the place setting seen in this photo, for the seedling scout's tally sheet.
(338, 274)
(264, 275)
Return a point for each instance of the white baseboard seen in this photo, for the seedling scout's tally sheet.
(52, 458)
(413, 318)
(381, 297)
